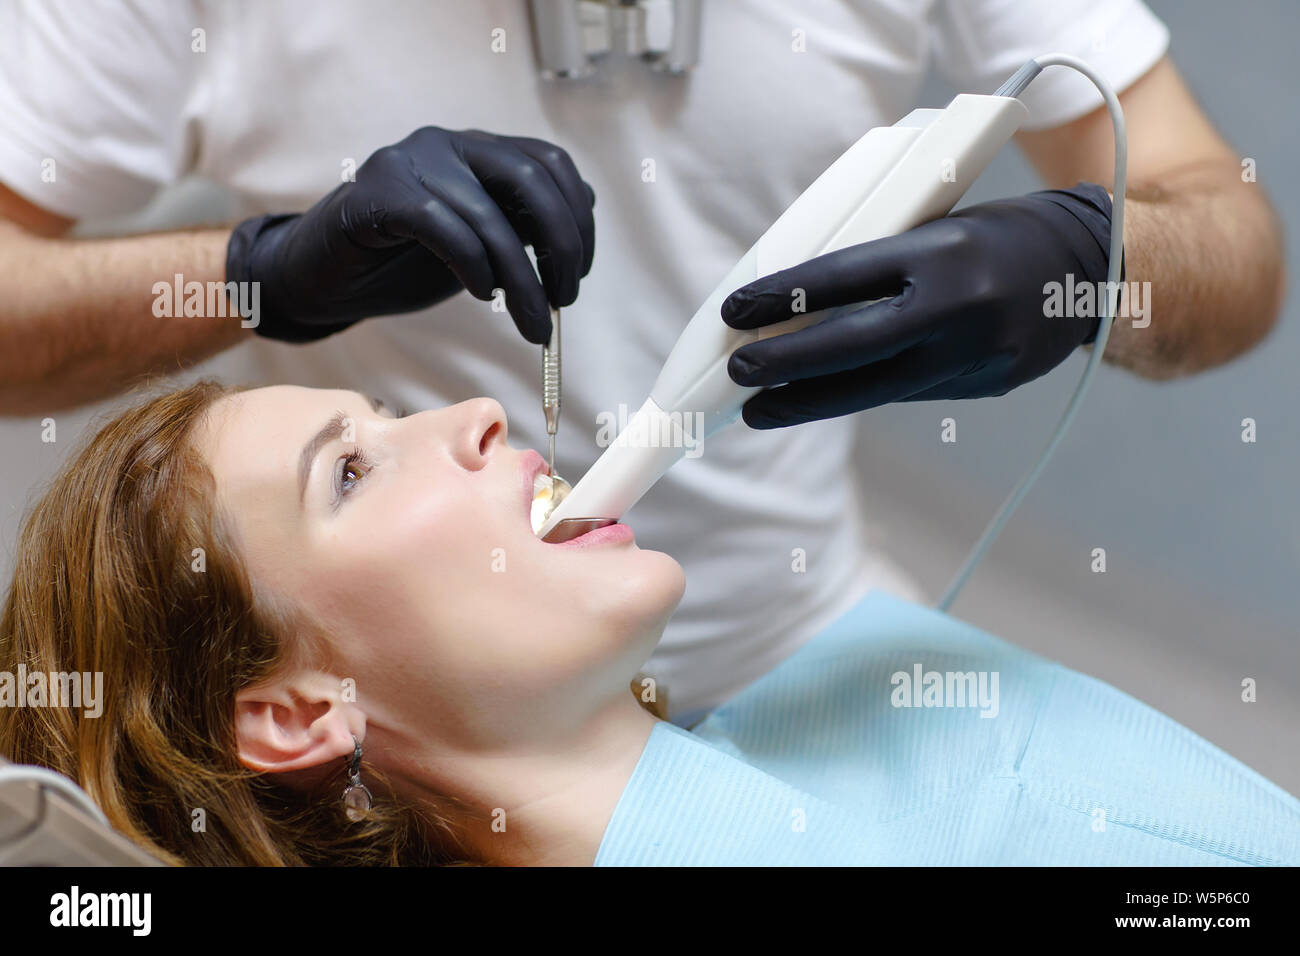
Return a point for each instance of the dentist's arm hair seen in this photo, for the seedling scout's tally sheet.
(76, 315)
(1206, 239)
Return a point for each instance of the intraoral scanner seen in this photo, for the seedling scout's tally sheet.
(892, 179)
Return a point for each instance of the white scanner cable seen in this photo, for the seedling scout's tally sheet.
(1013, 87)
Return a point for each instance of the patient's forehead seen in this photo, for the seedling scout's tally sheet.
(251, 440)
(258, 421)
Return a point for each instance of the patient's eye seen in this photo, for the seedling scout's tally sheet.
(349, 471)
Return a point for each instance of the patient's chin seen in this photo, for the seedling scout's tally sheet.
(641, 593)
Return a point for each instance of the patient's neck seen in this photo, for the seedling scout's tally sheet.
(549, 805)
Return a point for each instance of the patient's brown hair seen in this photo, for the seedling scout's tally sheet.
(106, 580)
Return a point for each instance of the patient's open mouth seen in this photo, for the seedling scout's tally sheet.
(540, 503)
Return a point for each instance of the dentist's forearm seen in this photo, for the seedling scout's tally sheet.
(77, 316)
(1211, 248)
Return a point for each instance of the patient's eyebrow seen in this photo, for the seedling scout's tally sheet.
(333, 429)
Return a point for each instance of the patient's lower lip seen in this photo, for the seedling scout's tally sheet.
(609, 534)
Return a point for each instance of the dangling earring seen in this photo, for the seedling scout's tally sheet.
(357, 800)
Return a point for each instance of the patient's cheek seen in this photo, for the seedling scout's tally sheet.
(403, 527)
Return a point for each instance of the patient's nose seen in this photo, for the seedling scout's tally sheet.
(478, 430)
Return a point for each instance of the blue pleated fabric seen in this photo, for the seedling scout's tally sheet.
(835, 758)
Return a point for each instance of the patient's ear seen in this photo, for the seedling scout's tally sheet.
(295, 722)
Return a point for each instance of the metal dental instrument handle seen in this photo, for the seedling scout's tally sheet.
(551, 384)
(571, 527)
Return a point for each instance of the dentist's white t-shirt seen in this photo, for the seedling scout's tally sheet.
(276, 98)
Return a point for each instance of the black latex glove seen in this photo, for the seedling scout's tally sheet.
(961, 316)
(426, 217)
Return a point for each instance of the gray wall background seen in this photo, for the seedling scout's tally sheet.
(1202, 531)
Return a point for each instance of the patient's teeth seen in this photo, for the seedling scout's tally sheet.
(542, 489)
(547, 494)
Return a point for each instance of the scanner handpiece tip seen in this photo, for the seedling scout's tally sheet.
(571, 528)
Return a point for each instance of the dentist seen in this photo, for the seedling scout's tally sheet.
(351, 143)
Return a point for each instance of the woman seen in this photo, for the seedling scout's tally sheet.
(285, 584)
